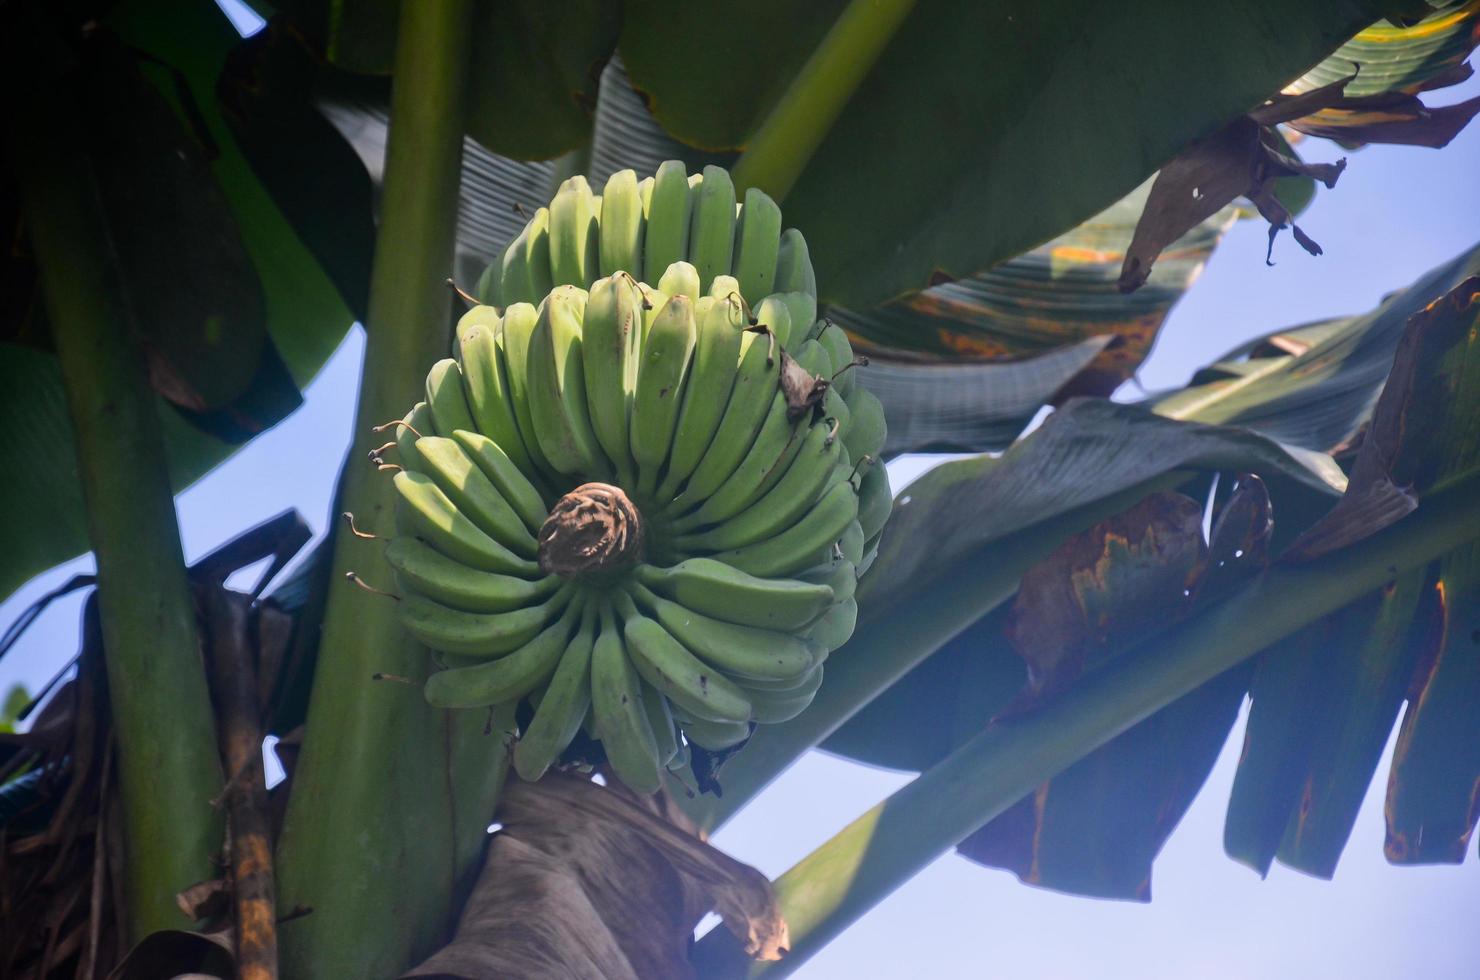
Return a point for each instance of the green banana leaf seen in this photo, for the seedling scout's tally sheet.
(532, 83)
(1324, 698)
(1315, 385)
(971, 139)
(181, 48)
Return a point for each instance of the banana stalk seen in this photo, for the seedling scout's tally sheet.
(878, 656)
(391, 796)
(778, 152)
(886, 846)
(170, 772)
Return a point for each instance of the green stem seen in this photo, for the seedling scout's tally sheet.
(891, 642)
(378, 833)
(796, 125)
(837, 883)
(167, 757)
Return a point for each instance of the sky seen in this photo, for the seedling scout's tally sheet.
(1396, 213)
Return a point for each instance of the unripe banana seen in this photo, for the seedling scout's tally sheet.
(526, 277)
(557, 387)
(775, 315)
(836, 574)
(506, 476)
(737, 651)
(715, 735)
(711, 378)
(420, 569)
(758, 243)
(772, 707)
(834, 627)
(874, 499)
(622, 225)
(681, 279)
(684, 679)
(660, 722)
(445, 397)
(574, 234)
(660, 378)
(608, 342)
(418, 422)
(510, 677)
(724, 592)
(796, 548)
(465, 484)
(802, 310)
(563, 706)
(486, 379)
(742, 487)
(840, 352)
(480, 635)
(850, 542)
(488, 288)
(620, 716)
(666, 239)
(712, 235)
(519, 324)
(728, 288)
(794, 265)
(865, 435)
(425, 511)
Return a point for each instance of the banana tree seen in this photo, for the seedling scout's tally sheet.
(204, 216)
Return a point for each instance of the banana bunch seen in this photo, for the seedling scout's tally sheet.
(641, 495)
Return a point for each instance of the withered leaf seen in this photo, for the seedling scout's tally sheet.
(1399, 458)
(586, 881)
(802, 388)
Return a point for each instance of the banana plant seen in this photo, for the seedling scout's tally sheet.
(344, 161)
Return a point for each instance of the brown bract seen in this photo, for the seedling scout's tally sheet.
(803, 389)
(594, 528)
(585, 881)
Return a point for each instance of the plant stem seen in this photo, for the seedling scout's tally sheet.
(375, 837)
(167, 757)
(880, 850)
(889, 643)
(796, 125)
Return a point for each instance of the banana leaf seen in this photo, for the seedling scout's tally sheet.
(272, 344)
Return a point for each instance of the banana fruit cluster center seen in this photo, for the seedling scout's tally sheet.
(639, 498)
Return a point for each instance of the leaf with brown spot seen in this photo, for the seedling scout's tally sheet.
(591, 882)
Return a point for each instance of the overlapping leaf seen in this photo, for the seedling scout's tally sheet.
(180, 50)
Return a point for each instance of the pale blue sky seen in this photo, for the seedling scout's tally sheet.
(1396, 213)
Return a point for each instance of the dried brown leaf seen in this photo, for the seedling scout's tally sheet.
(586, 881)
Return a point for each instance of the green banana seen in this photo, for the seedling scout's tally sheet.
(779, 507)
(751, 396)
(775, 707)
(802, 308)
(758, 242)
(418, 422)
(835, 407)
(613, 321)
(465, 484)
(520, 320)
(482, 635)
(660, 723)
(724, 592)
(557, 387)
(488, 288)
(728, 287)
(486, 378)
(866, 432)
(681, 279)
(712, 234)
(666, 239)
(711, 377)
(575, 248)
(420, 569)
(622, 225)
(511, 482)
(796, 548)
(715, 735)
(617, 707)
(834, 627)
(686, 680)
(874, 499)
(425, 511)
(870, 552)
(840, 352)
(511, 676)
(562, 708)
(850, 542)
(737, 651)
(838, 575)
(794, 265)
(445, 397)
(526, 277)
(765, 454)
(775, 315)
(660, 378)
